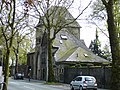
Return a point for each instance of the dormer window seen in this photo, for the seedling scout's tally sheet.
(86, 55)
(63, 37)
(61, 41)
(77, 55)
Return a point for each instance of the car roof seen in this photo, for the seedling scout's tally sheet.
(86, 76)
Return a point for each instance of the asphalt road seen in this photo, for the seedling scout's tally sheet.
(35, 85)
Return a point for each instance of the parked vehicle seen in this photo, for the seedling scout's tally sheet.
(83, 83)
(1, 78)
(19, 75)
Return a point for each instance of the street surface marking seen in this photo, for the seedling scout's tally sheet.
(29, 88)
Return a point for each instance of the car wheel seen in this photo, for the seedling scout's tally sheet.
(94, 89)
(71, 87)
(81, 88)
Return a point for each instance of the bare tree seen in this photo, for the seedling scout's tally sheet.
(9, 21)
(53, 17)
(20, 36)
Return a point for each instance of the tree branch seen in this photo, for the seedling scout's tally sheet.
(105, 3)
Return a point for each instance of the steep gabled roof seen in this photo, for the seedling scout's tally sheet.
(61, 13)
(74, 50)
(82, 55)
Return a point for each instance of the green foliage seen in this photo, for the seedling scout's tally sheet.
(24, 49)
(99, 11)
(53, 83)
(117, 18)
(106, 53)
(96, 45)
(1, 39)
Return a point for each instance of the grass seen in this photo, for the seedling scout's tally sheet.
(53, 83)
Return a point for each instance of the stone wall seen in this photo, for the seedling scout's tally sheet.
(65, 75)
(102, 74)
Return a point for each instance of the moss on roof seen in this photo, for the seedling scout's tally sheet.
(66, 54)
(72, 50)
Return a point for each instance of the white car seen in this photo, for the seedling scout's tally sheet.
(83, 83)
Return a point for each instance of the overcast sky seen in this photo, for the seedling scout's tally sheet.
(87, 30)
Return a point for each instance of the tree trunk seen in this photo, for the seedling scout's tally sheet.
(115, 49)
(16, 54)
(6, 70)
(50, 61)
(49, 48)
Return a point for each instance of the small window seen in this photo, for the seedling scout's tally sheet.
(64, 37)
(62, 70)
(77, 55)
(60, 41)
(86, 55)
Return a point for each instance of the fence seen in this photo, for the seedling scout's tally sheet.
(102, 74)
